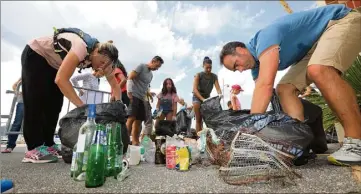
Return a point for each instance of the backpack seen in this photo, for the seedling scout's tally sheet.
(62, 52)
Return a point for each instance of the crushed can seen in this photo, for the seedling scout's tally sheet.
(183, 159)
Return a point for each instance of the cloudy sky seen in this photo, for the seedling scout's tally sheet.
(182, 33)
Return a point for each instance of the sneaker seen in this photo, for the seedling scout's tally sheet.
(7, 150)
(55, 151)
(7, 186)
(39, 155)
(349, 153)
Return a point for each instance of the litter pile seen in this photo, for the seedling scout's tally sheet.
(255, 147)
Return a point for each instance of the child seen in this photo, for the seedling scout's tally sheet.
(236, 89)
(167, 101)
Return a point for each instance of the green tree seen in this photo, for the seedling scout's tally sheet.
(353, 77)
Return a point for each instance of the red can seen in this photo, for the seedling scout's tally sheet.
(171, 156)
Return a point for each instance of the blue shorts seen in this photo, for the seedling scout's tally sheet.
(166, 112)
(196, 100)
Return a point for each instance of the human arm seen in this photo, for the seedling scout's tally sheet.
(15, 85)
(130, 82)
(174, 108)
(159, 96)
(262, 94)
(63, 76)
(218, 88)
(195, 88)
(109, 74)
(234, 102)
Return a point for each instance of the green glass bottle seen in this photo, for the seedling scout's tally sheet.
(119, 150)
(111, 150)
(95, 171)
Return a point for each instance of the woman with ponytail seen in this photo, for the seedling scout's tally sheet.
(47, 66)
(202, 88)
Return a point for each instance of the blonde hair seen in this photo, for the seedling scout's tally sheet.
(108, 49)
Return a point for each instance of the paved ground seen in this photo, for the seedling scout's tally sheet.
(318, 177)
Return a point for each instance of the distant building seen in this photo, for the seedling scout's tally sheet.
(348, 3)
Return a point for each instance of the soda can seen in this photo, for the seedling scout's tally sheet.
(171, 156)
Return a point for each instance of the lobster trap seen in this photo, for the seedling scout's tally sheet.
(252, 160)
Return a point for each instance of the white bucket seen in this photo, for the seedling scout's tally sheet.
(134, 155)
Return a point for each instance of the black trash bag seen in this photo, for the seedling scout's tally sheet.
(165, 128)
(313, 118)
(278, 129)
(183, 122)
(105, 113)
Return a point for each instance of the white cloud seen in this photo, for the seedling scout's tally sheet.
(210, 20)
(212, 53)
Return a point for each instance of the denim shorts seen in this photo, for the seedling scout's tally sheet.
(196, 100)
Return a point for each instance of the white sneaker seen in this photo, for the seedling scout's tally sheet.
(349, 153)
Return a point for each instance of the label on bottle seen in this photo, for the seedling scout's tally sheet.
(73, 162)
(81, 143)
(85, 161)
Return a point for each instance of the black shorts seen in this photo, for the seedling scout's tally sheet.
(136, 109)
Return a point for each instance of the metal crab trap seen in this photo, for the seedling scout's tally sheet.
(252, 160)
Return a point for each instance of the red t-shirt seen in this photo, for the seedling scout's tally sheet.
(118, 72)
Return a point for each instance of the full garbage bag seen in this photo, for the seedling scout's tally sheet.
(166, 128)
(313, 118)
(184, 122)
(105, 113)
(276, 128)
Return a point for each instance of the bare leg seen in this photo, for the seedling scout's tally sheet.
(135, 132)
(339, 96)
(197, 112)
(129, 124)
(290, 102)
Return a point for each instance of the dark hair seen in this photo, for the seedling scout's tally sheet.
(119, 64)
(230, 49)
(229, 103)
(164, 89)
(108, 49)
(158, 58)
(207, 60)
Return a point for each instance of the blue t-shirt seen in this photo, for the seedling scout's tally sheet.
(295, 34)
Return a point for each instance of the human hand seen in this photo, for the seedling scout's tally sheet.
(112, 99)
(174, 118)
(220, 96)
(81, 93)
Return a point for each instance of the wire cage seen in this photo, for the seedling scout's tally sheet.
(253, 161)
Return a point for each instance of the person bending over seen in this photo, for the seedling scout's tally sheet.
(90, 81)
(47, 66)
(318, 45)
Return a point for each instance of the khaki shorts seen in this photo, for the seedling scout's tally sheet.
(338, 47)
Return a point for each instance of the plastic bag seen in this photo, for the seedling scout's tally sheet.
(165, 128)
(183, 123)
(313, 118)
(105, 113)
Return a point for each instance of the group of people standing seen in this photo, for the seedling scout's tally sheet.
(318, 45)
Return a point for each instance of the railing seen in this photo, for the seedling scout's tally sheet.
(14, 101)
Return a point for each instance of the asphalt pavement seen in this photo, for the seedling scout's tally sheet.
(317, 177)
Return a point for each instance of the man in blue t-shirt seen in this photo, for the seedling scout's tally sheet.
(318, 45)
